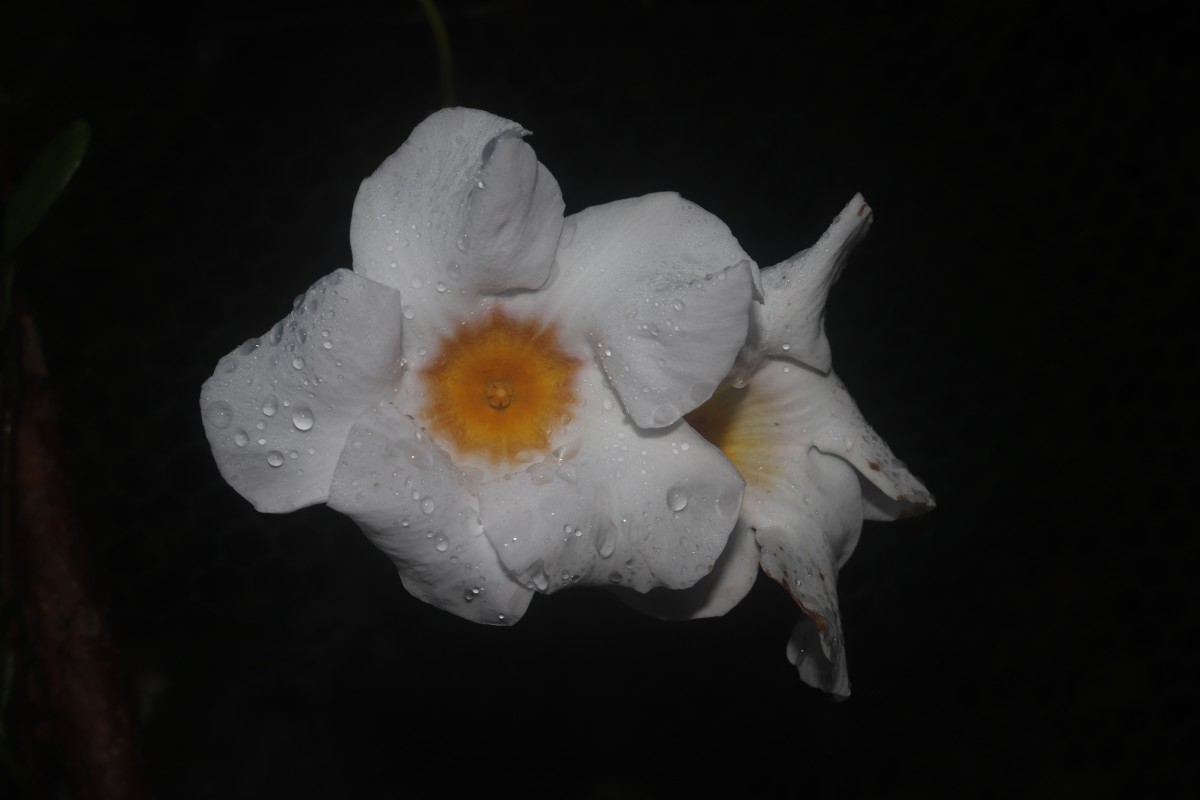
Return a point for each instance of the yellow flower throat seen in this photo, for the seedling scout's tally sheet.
(499, 387)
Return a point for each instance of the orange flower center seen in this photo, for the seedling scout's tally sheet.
(499, 387)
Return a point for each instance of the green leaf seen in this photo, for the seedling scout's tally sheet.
(44, 182)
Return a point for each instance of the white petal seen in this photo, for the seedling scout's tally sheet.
(713, 595)
(800, 557)
(415, 506)
(464, 203)
(785, 411)
(616, 507)
(791, 322)
(847, 434)
(277, 409)
(662, 291)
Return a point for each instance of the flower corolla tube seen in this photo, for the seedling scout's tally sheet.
(508, 401)
(814, 468)
(495, 393)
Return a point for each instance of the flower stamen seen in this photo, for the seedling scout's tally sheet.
(499, 386)
(499, 394)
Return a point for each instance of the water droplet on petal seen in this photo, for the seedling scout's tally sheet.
(241, 439)
(298, 363)
(664, 415)
(219, 414)
(606, 543)
(275, 458)
(442, 544)
(427, 505)
(302, 418)
(441, 287)
(408, 312)
(678, 305)
(677, 499)
(270, 405)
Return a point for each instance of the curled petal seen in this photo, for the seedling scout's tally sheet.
(462, 205)
(801, 559)
(662, 291)
(716, 593)
(848, 435)
(791, 322)
(615, 508)
(768, 429)
(277, 409)
(415, 506)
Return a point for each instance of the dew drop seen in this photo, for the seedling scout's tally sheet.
(327, 345)
(262, 441)
(677, 499)
(427, 505)
(270, 405)
(408, 312)
(241, 439)
(302, 418)
(678, 305)
(441, 287)
(454, 271)
(276, 333)
(608, 404)
(298, 363)
(275, 458)
(442, 544)
(417, 283)
(664, 415)
(219, 414)
(607, 541)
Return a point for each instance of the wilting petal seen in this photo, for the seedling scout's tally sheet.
(791, 322)
(278, 408)
(713, 595)
(416, 507)
(616, 507)
(661, 290)
(847, 434)
(768, 428)
(463, 203)
(802, 559)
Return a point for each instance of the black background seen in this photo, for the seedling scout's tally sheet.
(1018, 326)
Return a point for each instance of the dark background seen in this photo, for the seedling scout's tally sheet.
(1018, 326)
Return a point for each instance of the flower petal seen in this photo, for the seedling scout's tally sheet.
(791, 322)
(662, 291)
(277, 409)
(848, 435)
(800, 557)
(415, 506)
(713, 595)
(464, 203)
(786, 410)
(615, 507)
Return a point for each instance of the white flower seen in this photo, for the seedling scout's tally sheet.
(814, 468)
(494, 394)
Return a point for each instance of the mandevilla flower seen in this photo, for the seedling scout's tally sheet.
(494, 394)
(814, 468)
